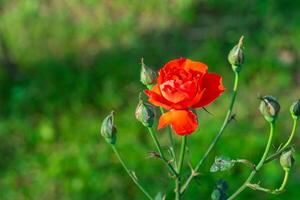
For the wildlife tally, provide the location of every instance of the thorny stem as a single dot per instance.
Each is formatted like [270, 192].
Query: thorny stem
[218, 136]
[285, 146]
[179, 169]
[171, 140]
[259, 165]
[132, 176]
[162, 156]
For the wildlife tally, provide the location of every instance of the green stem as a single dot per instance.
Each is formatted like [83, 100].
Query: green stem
[171, 140]
[285, 180]
[179, 169]
[135, 180]
[218, 136]
[162, 156]
[245, 162]
[291, 136]
[182, 153]
[270, 191]
[259, 165]
[285, 146]
[177, 190]
[277, 154]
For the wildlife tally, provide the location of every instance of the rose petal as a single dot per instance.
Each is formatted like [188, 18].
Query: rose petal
[176, 63]
[183, 122]
[212, 83]
[172, 93]
[179, 63]
[156, 98]
[195, 66]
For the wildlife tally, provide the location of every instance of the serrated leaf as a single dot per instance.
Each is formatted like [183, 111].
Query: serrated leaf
[214, 168]
[219, 193]
[222, 163]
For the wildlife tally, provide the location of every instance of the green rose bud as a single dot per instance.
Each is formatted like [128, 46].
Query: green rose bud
[295, 109]
[147, 76]
[236, 56]
[108, 129]
[270, 108]
[287, 160]
[145, 113]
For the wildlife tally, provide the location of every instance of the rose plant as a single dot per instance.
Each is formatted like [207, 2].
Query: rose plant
[179, 88]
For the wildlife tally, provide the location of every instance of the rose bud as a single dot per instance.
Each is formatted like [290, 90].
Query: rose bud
[145, 113]
[269, 107]
[147, 76]
[295, 109]
[108, 129]
[236, 56]
[287, 160]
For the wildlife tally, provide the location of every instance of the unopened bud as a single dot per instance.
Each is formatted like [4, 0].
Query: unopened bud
[145, 113]
[270, 108]
[295, 109]
[148, 76]
[108, 129]
[287, 160]
[236, 56]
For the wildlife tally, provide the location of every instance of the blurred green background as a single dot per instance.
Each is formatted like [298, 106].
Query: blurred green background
[65, 64]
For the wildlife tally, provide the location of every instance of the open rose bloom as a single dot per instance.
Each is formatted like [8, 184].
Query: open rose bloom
[184, 85]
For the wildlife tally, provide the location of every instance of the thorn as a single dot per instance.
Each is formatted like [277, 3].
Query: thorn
[153, 154]
[170, 161]
[194, 174]
[207, 111]
[172, 176]
[232, 118]
[133, 174]
[279, 148]
[258, 183]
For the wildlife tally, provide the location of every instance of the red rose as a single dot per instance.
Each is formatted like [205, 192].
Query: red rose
[183, 84]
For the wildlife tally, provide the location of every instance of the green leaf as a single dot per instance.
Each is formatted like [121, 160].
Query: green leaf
[222, 163]
[219, 193]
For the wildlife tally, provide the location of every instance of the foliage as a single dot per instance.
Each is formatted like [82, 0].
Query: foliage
[68, 63]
